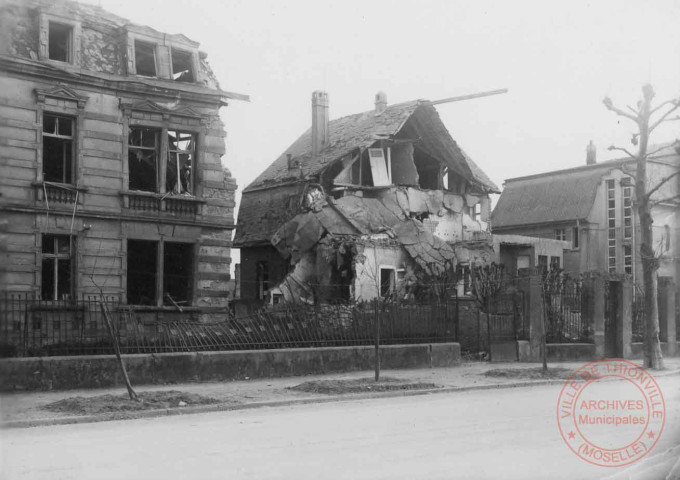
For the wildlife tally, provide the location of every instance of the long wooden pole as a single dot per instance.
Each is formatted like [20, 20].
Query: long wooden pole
[468, 97]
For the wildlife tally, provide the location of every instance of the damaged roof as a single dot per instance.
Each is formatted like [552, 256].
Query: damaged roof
[362, 130]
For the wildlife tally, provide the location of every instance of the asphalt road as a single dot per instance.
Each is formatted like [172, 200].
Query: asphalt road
[508, 434]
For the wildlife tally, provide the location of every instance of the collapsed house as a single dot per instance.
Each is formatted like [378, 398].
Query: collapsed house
[380, 203]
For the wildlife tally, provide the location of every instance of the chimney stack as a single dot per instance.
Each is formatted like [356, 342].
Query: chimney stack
[319, 121]
[380, 102]
[591, 154]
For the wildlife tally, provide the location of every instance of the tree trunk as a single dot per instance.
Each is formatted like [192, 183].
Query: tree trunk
[652, 348]
[116, 349]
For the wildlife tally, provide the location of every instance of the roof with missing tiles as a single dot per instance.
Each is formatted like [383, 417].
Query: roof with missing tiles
[362, 130]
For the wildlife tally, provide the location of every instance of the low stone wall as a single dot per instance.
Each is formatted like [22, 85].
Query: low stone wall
[571, 352]
[61, 373]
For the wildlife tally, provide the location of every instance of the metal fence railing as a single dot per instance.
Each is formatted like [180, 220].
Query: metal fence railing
[32, 327]
[565, 318]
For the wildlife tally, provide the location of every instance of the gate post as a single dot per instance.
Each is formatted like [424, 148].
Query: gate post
[536, 322]
[624, 332]
[667, 314]
[596, 310]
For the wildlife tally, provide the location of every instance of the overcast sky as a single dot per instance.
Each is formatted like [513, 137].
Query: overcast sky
[558, 60]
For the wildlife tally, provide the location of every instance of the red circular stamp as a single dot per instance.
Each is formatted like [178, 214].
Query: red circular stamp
[611, 412]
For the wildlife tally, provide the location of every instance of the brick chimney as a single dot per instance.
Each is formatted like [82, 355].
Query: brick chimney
[380, 102]
[319, 121]
[591, 154]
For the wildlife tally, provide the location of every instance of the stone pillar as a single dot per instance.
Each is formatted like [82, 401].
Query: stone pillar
[667, 314]
[597, 307]
[624, 332]
[536, 325]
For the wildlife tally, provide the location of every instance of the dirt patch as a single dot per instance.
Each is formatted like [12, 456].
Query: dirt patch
[122, 403]
[529, 373]
[360, 385]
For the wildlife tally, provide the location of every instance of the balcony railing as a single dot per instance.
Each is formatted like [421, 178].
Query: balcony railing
[57, 193]
[155, 203]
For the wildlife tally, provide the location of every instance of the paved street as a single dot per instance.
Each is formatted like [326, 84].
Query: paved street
[508, 433]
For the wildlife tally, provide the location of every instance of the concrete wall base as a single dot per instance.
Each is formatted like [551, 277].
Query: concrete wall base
[666, 350]
[101, 371]
[571, 352]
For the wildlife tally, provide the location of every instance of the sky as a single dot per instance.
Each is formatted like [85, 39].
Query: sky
[557, 60]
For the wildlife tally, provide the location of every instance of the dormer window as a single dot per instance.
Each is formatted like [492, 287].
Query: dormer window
[60, 43]
[182, 66]
[59, 38]
[145, 59]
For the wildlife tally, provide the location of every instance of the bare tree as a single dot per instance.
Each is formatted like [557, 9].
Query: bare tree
[647, 118]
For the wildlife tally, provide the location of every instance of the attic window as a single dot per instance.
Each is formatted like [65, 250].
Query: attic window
[182, 66]
[60, 42]
[145, 59]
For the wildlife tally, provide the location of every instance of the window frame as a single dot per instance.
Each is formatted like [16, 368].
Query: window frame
[163, 46]
[74, 44]
[392, 279]
[560, 234]
[163, 154]
[160, 274]
[72, 138]
[56, 257]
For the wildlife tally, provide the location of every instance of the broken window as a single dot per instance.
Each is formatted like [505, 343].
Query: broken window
[143, 149]
[387, 282]
[262, 279]
[57, 266]
[57, 148]
[60, 42]
[145, 59]
[429, 171]
[181, 147]
[141, 272]
[143, 280]
[182, 66]
[177, 270]
[464, 279]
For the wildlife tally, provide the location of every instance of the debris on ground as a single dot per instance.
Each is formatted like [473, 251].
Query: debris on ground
[529, 373]
[360, 385]
[122, 403]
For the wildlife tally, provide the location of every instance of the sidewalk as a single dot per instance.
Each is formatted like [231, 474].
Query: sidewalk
[23, 409]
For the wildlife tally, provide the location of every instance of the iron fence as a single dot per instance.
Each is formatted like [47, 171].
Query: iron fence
[565, 304]
[32, 327]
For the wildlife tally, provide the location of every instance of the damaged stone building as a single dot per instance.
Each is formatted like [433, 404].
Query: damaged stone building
[380, 203]
[112, 180]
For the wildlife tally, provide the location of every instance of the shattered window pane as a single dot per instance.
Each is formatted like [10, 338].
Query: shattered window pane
[57, 148]
[181, 148]
[60, 42]
[387, 282]
[177, 268]
[141, 272]
[145, 59]
[56, 269]
[143, 149]
[182, 69]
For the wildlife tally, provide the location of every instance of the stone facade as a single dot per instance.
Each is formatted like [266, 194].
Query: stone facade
[112, 179]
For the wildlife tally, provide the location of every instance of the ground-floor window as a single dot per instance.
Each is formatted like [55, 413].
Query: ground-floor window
[57, 267]
[154, 279]
[387, 282]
